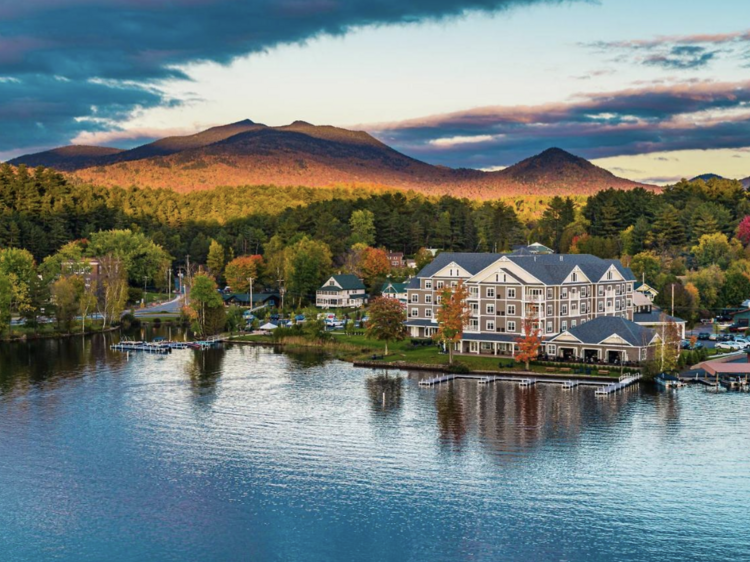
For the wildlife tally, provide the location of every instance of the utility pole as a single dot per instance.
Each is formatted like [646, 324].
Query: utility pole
[145, 280]
[169, 283]
[282, 290]
[672, 299]
[250, 293]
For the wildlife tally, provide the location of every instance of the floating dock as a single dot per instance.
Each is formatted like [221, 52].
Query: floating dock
[526, 381]
[624, 382]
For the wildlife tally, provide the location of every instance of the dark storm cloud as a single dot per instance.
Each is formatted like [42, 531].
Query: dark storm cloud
[682, 57]
[141, 41]
[663, 118]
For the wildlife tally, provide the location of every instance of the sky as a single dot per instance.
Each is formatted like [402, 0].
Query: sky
[653, 91]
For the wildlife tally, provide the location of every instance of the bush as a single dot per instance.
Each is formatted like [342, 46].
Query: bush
[135, 295]
[458, 369]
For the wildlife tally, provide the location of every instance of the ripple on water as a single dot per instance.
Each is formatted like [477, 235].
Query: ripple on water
[248, 454]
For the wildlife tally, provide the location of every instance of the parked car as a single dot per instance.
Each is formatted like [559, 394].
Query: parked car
[725, 337]
[712, 337]
[729, 346]
[743, 342]
[703, 336]
[685, 344]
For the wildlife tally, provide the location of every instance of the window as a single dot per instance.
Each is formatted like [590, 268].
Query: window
[428, 299]
[511, 326]
[438, 299]
[414, 297]
[454, 284]
[574, 306]
[511, 293]
[601, 290]
[549, 310]
[584, 292]
[550, 293]
[617, 304]
[572, 323]
[583, 308]
[564, 310]
[491, 292]
[551, 350]
[473, 324]
[428, 284]
[439, 285]
[490, 325]
[630, 303]
[609, 275]
[331, 283]
[414, 312]
[428, 313]
[564, 325]
[474, 291]
[474, 307]
[574, 277]
[511, 310]
[609, 303]
[630, 287]
[564, 294]
[618, 290]
[490, 309]
[549, 327]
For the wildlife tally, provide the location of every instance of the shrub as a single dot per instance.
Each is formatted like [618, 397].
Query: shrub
[458, 369]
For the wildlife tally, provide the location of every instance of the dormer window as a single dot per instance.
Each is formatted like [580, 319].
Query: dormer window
[332, 283]
[574, 277]
[609, 275]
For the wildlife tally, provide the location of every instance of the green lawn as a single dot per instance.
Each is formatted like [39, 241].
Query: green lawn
[359, 348]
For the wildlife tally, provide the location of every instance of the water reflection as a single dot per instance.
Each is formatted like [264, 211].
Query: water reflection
[204, 370]
[385, 392]
[450, 405]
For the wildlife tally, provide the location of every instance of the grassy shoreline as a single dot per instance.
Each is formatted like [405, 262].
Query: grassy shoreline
[359, 349]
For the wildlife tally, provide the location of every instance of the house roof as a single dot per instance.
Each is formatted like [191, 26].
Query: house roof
[655, 316]
[420, 323]
[394, 287]
[347, 282]
[599, 329]
[551, 269]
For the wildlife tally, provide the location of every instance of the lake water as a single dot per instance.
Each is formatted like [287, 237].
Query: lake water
[248, 454]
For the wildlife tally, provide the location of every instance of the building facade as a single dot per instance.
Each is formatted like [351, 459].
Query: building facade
[341, 291]
[557, 293]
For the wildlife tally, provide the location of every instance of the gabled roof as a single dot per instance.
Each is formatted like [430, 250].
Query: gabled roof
[471, 262]
[346, 281]
[551, 269]
[655, 316]
[599, 329]
[396, 287]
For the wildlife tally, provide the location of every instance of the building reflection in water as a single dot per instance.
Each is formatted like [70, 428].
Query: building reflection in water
[509, 419]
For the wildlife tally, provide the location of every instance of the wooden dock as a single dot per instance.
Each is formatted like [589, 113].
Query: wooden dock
[523, 381]
[624, 382]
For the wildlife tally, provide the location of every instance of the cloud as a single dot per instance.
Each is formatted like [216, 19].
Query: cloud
[659, 118]
[129, 46]
[678, 52]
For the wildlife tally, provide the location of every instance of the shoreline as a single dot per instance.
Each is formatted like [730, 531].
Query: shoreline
[36, 337]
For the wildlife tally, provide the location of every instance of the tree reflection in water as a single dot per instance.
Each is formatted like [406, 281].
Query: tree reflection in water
[385, 393]
[451, 415]
[205, 370]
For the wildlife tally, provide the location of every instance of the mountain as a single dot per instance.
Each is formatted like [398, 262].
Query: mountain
[67, 158]
[746, 183]
[564, 170]
[302, 154]
[706, 177]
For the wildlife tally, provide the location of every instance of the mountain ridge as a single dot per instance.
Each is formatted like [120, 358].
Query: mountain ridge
[249, 153]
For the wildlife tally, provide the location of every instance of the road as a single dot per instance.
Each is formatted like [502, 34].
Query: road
[169, 307]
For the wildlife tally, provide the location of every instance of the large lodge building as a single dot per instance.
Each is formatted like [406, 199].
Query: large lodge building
[582, 304]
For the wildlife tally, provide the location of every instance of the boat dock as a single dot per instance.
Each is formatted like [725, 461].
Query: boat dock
[524, 381]
[164, 347]
[624, 382]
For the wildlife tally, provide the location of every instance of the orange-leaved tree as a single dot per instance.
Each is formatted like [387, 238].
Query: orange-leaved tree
[240, 270]
[374, 264]
[386, 322]
[452, 316]
[529, 343]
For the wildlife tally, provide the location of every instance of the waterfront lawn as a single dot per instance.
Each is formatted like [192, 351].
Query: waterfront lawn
[360, 348]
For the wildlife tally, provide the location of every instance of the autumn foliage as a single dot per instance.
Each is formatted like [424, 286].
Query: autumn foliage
[452, 316]
[529, 343]
[241, 269]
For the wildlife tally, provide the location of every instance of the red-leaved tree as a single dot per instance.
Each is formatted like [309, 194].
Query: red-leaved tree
[529, 343]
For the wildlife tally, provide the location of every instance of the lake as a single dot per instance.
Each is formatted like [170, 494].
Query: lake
[249, 454]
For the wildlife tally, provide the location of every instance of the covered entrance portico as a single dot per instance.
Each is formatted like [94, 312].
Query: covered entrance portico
[488, 344]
